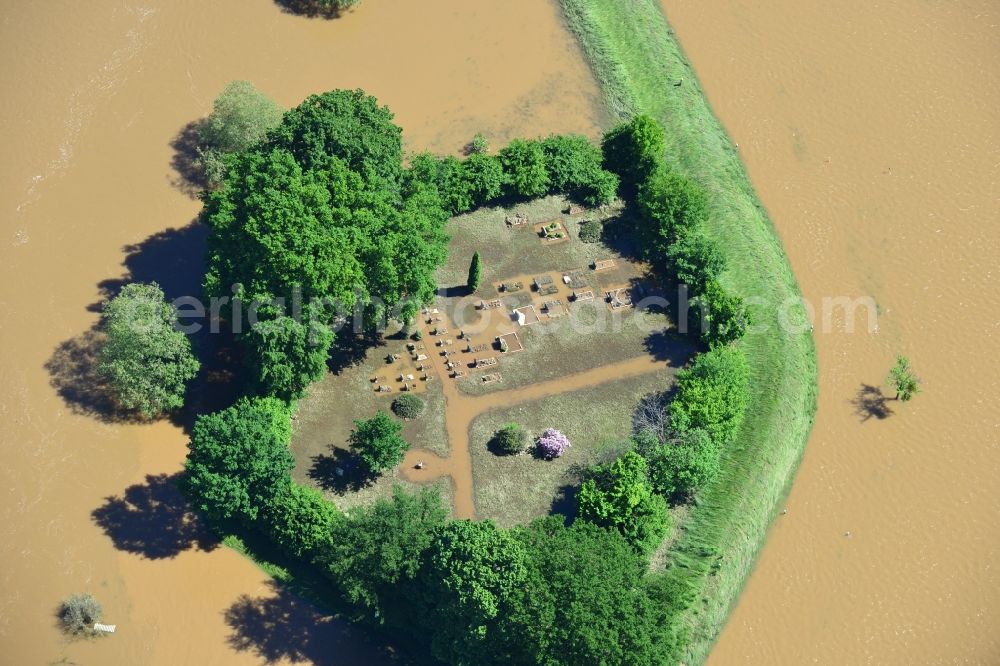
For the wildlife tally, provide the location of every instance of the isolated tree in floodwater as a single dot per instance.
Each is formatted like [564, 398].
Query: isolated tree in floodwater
[475, 272]
[146, 361]
[902, 378]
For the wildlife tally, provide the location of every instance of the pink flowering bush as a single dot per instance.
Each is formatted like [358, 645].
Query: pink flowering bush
[552, 444]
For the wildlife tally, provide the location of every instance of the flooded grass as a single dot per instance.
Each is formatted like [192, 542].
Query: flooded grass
[324, 421]
[641, 68]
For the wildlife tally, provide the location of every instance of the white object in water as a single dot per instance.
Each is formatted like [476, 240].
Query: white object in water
[106, 628]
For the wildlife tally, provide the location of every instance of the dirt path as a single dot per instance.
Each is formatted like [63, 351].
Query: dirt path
[462, 410]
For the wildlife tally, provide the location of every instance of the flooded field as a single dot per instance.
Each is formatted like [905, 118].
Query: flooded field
[94, 95]
[872, 134]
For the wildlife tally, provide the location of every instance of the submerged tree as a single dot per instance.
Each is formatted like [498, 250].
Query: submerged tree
[241, 116]
[146, 360]
[78, 613]
[902, 378]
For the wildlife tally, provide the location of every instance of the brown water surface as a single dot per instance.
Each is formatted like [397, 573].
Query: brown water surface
[871, 132]
[93, 95]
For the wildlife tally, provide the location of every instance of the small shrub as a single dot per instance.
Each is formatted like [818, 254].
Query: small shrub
[407, 406]
[478, 145]
[552, 444]
[418, 335]
[511, 439]
[590, 231]
[79, 613]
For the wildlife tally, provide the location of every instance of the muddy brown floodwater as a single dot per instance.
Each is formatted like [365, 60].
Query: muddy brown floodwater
[93, 95]
[871, 132]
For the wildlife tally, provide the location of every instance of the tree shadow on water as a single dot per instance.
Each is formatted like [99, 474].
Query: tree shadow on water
[153, 520]
[869, 402]
[73, 374]
[175, 260]
[284, 627]
[186, 161]
[310, 8]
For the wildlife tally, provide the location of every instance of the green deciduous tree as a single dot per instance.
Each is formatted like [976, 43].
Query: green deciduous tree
[585, 600]
[713, 394]
[475, 272]
[317, 212]
[484, 174]
[446, 174]
[720, 318]
[238, 458]
[619, 496]
[378, 550]
[476, 569]
[524, 168]
[241, 116]
[299, 520]
[669, 204]
[511, 439]
[681, 463]
[284, 355]
[145, 360]
[574, 168]
[348, 124]
[407, 406]
[694, 260]
[633, 150]
[378, 442]
[903, 380]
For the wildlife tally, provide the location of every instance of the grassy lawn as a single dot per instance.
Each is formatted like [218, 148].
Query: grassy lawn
[515, 489]
[642, 69]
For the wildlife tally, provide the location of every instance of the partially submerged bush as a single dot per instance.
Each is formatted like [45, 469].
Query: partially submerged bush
[78, 614]
[590, 231]
[146, 361]
[479, 144]
[407, 406]
[511, 439]
[241, 116]
[552, 444]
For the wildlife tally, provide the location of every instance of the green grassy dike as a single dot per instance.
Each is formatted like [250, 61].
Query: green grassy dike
[638, 64]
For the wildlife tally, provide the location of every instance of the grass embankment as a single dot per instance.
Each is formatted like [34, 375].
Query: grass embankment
[641, 69]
